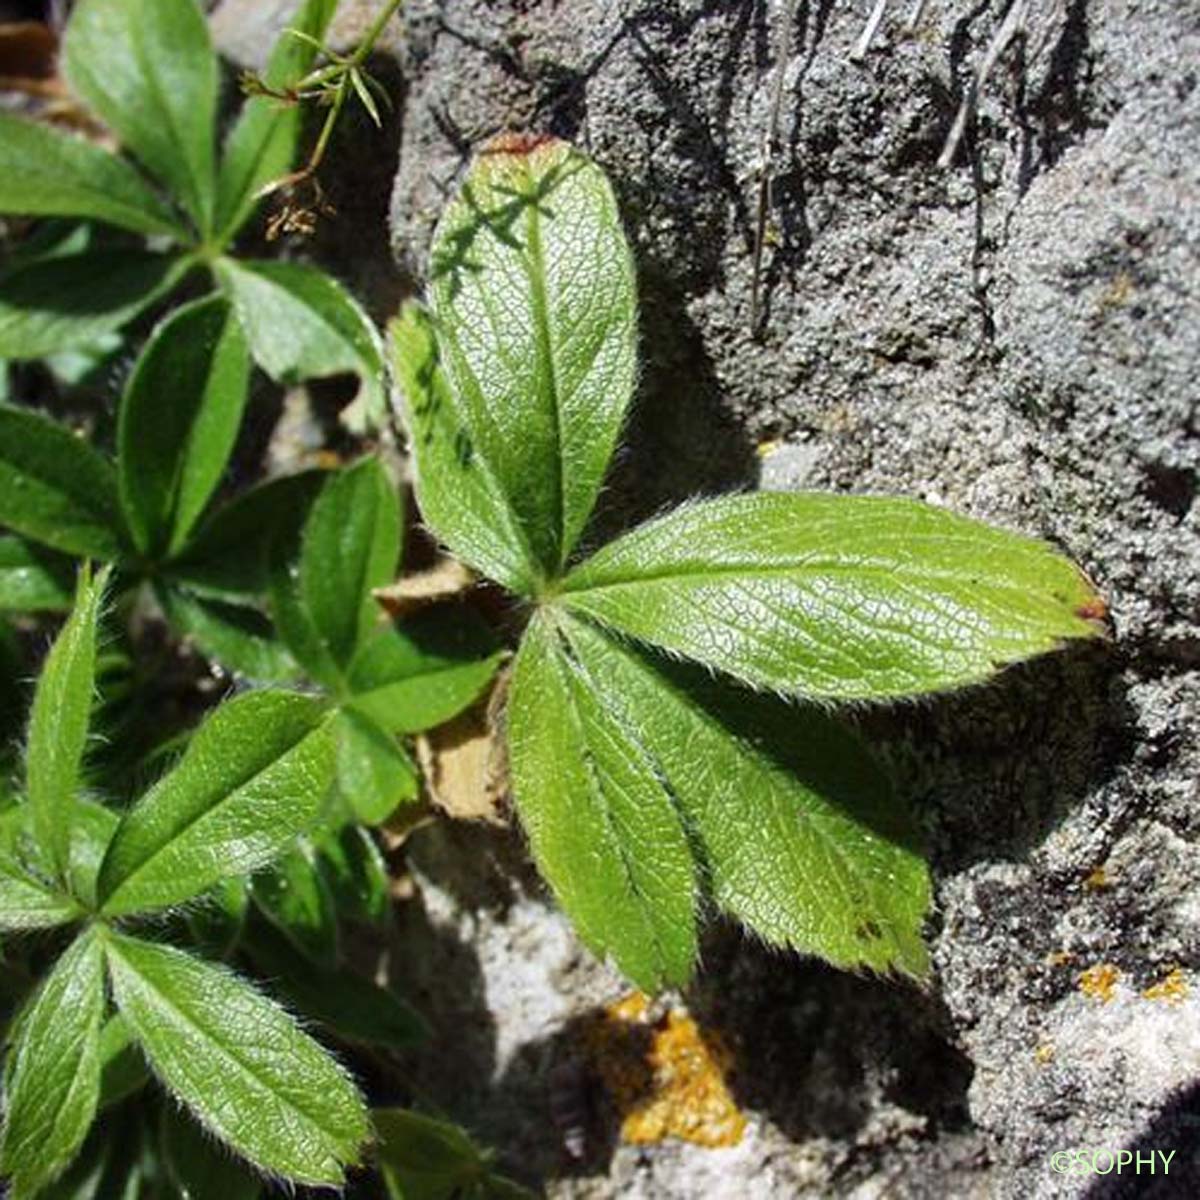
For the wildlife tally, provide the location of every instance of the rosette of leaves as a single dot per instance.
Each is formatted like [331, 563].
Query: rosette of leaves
[670, 730]
[253, 778]
[146, 69]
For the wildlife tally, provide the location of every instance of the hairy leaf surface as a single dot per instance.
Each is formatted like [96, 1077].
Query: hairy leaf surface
[796, 829]
[415, 675]
[239, 1062]
[374, 772]
[238, 636]
[33, 578]
[302, 324]
[846, 597]
[458, 493]
[53, 1081]
[179, 420]
[54, 488]
[58, 723]
[533, 292]
[253, 778]
[293, 895]
[147, 68]
[46, 173]
[603, 829]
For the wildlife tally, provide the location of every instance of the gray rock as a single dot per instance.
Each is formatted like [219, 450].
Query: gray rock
[1016, 337]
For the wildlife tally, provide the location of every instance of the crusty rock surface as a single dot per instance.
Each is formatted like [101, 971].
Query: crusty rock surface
[1017, 337]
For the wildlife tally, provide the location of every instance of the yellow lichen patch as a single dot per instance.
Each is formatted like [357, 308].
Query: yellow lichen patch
[1172, 989]
[766, 448]
[666, 1076]
[1060, 958]
[1099, 982]
[1044, 1054]
[1097, 881]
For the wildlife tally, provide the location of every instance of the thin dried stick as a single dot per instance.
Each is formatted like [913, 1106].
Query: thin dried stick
[868, 34]
[1013, 23]
[766, 158]
[914, 15]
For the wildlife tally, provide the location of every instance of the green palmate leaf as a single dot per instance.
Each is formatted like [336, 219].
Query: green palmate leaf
[58, 723]
[46, 173]
[293, 895]
[356, 873]
[302, 324]
[71, 301]
[419, 674]
[374, 773]
[534, 298]
[92, 829]
[847, 597]
[239, 1063]
[796, 829]
[32, 578]
[227, 557]
[239, 637]
[603, 829]
[253, 778]
[53, 1083]
[457, 493]
[353, 1008]
[54, 488]
[351, 544]
[147, 68]
[422, 1158]
[198, 1167]
[261, 146]
[179, 419]
[122, 1065]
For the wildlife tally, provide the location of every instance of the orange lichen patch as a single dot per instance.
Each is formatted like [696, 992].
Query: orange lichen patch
[1097, 881]
[1099, 982]
[666, 1076]
[1172, 989]
[1044, 1054]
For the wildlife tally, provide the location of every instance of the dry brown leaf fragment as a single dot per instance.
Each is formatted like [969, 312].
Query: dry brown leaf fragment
[446, 580]
[464, 763]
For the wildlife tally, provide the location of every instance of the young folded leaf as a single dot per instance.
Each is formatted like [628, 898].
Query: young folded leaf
[239, 1062]
[147, 68]
[350, 545]
[604, 830]
[58, 723]
[533, 294]
[839, 597]
[253, 778]
[179, 419]
[53, 1080]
